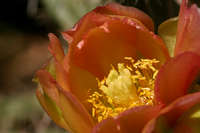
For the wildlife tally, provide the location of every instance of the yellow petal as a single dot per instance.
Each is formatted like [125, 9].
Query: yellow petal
[167, 30]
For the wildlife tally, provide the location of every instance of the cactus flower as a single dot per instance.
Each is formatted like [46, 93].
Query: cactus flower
[117, 76]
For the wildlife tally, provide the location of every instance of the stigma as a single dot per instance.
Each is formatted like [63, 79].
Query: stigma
[128, 85]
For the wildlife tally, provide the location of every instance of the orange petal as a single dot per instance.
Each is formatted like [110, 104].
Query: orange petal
[184, 128]
[107, 126]
[134, 120]
[47, 83]
[52, 109]
[57, 71]
[87, 22]
[111, 42]
[171, 117]
[79, 82]
[61, 76]
[130, 121]
[117, 9]
[189, 122]
[188, 33]
[100, 15]
[74, 113]
[176, 76]
[56, 48]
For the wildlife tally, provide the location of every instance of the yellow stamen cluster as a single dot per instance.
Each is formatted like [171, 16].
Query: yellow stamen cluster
[129, 86]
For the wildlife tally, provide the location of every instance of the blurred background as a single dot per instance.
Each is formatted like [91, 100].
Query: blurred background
[24, 26]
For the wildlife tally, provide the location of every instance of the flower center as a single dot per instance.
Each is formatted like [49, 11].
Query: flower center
[127, 86]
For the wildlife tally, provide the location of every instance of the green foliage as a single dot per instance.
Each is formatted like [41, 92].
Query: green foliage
[67, 12]
[23, 113]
